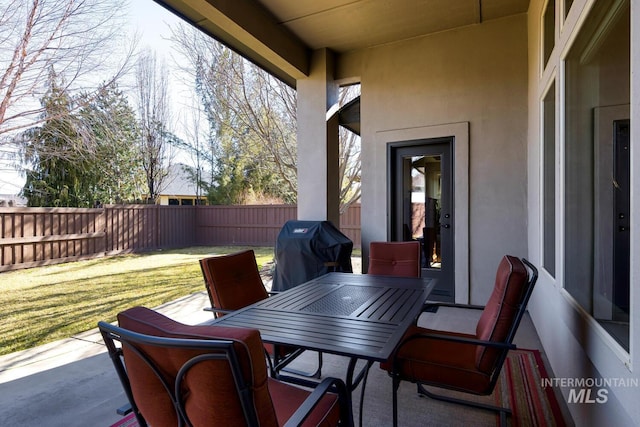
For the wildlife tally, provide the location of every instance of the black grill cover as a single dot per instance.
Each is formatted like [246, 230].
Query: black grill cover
[308, 249]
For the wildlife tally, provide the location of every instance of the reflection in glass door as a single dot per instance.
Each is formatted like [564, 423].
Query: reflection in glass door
[421, 208]
[426, 183]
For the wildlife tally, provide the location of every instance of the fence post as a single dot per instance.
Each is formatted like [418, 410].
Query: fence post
[158, 224]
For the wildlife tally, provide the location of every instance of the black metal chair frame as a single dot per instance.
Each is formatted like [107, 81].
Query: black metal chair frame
[505, 345]
[278, 363]
[216, 350]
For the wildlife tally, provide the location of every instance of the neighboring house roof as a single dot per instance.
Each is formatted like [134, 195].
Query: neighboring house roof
[179, 183]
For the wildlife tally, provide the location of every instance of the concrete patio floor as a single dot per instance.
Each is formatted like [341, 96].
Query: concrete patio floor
[72, 382]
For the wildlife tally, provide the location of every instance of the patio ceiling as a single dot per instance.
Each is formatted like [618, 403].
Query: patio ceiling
[279, 35]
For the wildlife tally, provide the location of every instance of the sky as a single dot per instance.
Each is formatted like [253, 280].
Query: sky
[152, 22]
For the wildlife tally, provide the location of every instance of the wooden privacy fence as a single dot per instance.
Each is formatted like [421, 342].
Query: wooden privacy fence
[31, 237]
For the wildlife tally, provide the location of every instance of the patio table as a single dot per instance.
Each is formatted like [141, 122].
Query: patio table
[361, 316]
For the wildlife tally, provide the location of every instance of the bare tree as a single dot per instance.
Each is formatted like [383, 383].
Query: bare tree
[195, 139]
[259, 110]
[77, 38]
[350, 160]
[155, 122]
[246, 108]
[267, 108]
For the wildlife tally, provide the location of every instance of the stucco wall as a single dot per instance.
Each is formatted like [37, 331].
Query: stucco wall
[476, 74]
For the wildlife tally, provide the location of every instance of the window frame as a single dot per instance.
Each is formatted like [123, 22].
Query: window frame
[552, 85]
[606, 338]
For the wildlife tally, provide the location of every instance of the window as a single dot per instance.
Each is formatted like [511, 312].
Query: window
[596, 167]
[549, 30]
[549, 179]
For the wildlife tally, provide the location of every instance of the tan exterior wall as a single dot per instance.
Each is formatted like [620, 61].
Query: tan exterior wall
[477, 75]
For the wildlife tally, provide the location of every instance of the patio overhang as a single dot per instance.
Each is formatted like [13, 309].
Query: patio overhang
[349, 116]
[280, 35]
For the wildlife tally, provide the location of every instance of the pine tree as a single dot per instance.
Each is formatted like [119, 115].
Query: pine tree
[81, 156]
[112, 130]
[59, 161]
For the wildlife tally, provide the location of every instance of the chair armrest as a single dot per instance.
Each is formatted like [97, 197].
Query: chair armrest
[462, 340]
[428, 305]
[329, 384]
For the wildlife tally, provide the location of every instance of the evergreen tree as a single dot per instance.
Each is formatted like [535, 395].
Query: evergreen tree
[55, 152]
[81, 156]
[241, 166]
[252, 150]
[112, 130]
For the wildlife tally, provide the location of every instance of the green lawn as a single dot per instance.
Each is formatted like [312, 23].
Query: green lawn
[48, 303]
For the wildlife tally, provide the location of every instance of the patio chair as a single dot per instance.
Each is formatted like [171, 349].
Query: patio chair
[233, 282]
[467, 363]
[175, 375]
[395, 258]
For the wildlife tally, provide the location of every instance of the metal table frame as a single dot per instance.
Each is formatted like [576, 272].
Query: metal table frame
[360, 316]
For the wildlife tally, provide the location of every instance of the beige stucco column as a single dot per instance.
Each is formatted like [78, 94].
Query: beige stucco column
[318, 148]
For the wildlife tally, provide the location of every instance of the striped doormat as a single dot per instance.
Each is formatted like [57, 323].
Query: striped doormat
[520, 388]
[128, 421]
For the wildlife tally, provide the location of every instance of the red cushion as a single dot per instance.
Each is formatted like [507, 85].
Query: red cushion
[464, 366]
[233, 280]
[395, 258]
[209, 386]
[438, 362]
[287, 398]
[500, 311]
